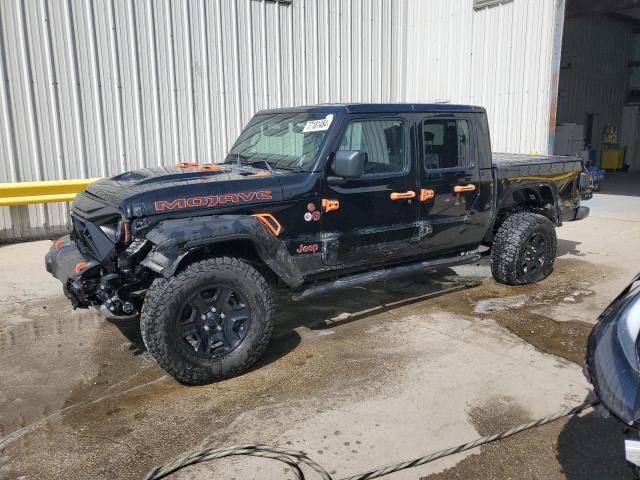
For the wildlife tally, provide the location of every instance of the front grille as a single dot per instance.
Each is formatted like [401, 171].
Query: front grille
[84, 241]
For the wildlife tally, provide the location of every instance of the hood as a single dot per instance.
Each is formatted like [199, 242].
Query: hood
[160, 190]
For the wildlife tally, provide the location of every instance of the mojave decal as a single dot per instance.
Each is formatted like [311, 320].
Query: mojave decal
[211, 200]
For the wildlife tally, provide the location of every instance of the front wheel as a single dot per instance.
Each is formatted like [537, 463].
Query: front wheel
[524, 249]
[211, 321]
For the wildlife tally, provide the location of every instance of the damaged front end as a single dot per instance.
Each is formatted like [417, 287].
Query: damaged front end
[613, 365]
[98, 264]
[68, 264]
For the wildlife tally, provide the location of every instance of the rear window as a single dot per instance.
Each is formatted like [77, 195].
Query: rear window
[446, 143]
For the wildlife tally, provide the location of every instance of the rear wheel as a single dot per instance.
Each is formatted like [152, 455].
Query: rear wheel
[211, 321]
[524, 249]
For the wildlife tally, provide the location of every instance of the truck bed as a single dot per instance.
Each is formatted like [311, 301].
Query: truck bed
[510, 165]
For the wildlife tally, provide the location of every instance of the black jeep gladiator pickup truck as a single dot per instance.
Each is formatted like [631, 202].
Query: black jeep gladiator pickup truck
[314, 199]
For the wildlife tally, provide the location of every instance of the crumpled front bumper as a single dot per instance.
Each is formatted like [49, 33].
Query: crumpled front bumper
[613, 367]
[66, 263]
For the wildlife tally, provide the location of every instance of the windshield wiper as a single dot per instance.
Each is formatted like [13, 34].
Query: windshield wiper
[235, 158]
[240, 158]
[291, 168]
[270, 168]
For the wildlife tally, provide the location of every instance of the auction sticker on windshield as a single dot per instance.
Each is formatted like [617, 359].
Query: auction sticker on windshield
[318, 125]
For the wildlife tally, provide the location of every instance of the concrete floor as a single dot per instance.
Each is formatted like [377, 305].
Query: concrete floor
[359, 379]
[621, 183]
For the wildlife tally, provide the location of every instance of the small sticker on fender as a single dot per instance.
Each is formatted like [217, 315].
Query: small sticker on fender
[318, 125]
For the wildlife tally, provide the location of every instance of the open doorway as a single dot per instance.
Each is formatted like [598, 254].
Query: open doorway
[598, 110]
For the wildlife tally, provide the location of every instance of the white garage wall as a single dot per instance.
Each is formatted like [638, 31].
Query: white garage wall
[93, 88]
[502, 58]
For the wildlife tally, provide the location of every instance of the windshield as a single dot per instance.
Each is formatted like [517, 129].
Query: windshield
[290, 141]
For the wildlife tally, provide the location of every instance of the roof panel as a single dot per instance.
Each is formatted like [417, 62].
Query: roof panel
[380, 108]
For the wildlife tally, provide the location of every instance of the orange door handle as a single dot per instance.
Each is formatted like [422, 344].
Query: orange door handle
[469, 187]
[426, 194]
[403, 195]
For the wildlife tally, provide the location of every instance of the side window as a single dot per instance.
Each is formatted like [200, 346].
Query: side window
[446, 143]
[382, 141]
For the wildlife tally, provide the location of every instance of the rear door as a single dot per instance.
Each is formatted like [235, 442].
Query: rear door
[449, 181]
[372, 217]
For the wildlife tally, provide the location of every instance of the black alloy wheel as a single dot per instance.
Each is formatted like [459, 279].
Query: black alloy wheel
[213, 322]
[534, 255]
[523, 249]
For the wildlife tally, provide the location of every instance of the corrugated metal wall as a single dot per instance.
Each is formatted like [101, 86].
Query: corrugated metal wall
[92, 88]
[595, 76]
[500, 57]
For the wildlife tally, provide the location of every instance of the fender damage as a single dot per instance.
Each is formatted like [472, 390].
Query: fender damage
[176, 239]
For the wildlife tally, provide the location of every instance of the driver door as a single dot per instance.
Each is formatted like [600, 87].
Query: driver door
[372, 217]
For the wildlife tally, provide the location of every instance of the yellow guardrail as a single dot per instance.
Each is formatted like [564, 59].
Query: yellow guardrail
[27, 193]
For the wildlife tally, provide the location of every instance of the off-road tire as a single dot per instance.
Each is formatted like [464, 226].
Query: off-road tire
[165, 299]
[509, 246]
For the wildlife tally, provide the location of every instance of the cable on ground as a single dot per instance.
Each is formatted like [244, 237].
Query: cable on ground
[295, 459]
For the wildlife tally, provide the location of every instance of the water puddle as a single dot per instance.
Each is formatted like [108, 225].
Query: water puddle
[56, 357]
[494, 304]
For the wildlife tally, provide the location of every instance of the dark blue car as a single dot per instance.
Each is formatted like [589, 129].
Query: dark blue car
[613, 365]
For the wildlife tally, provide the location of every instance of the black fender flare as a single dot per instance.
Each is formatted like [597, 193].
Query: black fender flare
[174, 239]
[508, 199]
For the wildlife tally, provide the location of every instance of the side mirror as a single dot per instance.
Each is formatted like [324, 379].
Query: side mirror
[349, 163]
